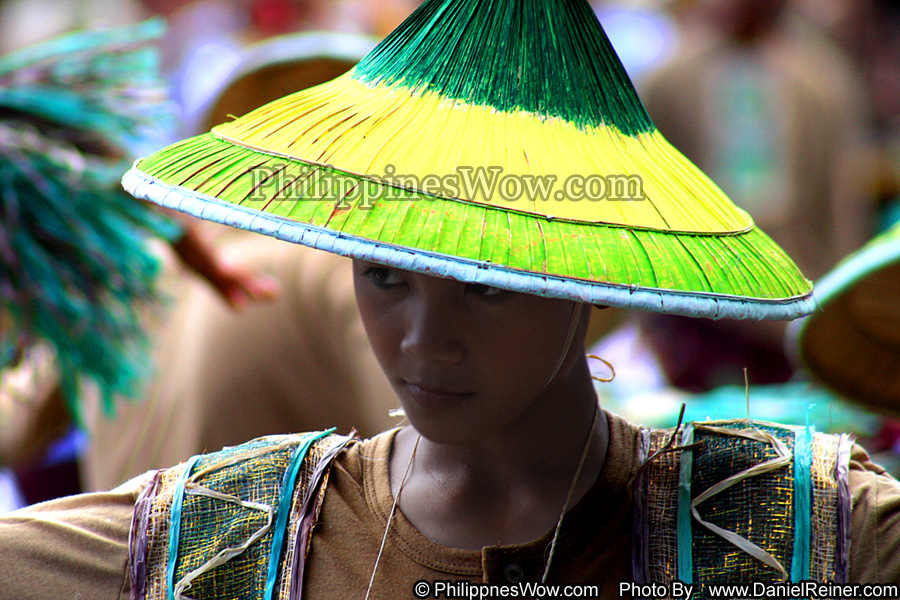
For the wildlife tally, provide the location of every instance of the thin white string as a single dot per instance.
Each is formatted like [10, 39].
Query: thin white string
[571, 493]
[390, 520]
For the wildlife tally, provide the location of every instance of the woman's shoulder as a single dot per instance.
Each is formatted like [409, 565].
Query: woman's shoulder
[356, 454]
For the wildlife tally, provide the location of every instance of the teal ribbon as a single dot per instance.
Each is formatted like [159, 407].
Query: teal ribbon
[683, 527]
[803, 439]
[284, 508]
[175, 525]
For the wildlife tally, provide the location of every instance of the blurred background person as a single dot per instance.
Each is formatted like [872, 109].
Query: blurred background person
[78, 275]
[869, 30]
[204, 43]
[777, 114]
[75, 267]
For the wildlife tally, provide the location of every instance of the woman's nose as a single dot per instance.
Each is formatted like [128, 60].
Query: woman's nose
[430, 332]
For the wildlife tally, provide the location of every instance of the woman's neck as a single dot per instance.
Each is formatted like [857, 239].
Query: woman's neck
[510, 487]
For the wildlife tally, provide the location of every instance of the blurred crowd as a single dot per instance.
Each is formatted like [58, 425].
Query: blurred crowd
[791, 106]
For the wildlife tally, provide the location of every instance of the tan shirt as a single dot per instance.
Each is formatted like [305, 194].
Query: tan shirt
[78, 547]
[594, 544]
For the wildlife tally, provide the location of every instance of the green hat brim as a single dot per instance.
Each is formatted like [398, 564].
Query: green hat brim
[711, 276]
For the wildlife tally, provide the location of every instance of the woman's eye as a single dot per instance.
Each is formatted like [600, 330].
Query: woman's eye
[484, 290]
[384, 277]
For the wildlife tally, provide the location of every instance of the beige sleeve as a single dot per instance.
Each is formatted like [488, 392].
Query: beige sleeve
[875, 533]
[75, 547]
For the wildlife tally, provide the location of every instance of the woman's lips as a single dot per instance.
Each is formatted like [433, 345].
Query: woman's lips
[432, 397]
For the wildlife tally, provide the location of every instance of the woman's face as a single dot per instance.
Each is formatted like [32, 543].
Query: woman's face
[467, 361]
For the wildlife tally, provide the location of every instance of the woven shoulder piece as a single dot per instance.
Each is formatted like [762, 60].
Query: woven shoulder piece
[741, 502]
[232, 524]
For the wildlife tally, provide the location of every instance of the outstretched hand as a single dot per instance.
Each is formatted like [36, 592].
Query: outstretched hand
[238, 286]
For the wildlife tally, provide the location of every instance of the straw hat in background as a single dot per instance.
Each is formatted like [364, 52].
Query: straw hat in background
[852, 342]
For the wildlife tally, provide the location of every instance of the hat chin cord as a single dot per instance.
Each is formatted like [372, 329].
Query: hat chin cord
[570, 335]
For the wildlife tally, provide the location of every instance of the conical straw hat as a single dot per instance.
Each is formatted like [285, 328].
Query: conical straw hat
[276, 67]
[499, 143]
[852, 343]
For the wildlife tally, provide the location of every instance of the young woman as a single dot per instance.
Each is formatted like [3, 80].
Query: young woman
[509, 473]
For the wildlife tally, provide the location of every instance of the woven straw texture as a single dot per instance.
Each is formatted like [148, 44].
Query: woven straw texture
[759, 509]
[413, 161]
[253, 472]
